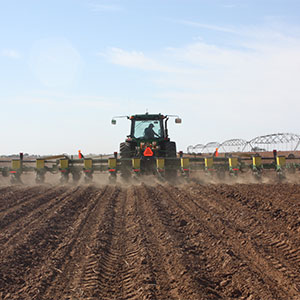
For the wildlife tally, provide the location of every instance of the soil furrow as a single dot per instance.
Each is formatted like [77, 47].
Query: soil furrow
[276, 243]
[100, 277]
[186, 257]
[225, 222]
[204, 226]
[19, 227]
[15, 196]
[151, 278]
[21, 260]
[158, 241]
[13, 214]
[68, 257]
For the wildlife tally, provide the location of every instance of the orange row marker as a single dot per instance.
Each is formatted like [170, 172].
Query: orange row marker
[216, 154]
[80, 155]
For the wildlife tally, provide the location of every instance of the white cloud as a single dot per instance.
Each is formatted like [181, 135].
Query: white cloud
[245, 90]
[11, 53]
[265, 63]
[134, 59]
[207, 26]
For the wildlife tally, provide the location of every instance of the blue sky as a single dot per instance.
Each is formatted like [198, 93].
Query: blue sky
[229, 68]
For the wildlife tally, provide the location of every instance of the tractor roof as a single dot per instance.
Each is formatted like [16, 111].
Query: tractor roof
[147, 117]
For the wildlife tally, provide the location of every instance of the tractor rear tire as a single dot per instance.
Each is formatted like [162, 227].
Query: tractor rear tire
[171, 169]
[170, 149]
[125, 152]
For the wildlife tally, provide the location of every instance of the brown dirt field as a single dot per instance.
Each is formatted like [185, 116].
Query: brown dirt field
[192, 241]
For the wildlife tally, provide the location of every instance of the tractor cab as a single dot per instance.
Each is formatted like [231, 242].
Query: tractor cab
[148, 127]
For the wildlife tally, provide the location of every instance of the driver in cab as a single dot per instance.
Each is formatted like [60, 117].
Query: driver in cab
[150, 133]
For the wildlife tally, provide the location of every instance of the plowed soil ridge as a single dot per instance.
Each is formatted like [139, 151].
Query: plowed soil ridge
[160, 241]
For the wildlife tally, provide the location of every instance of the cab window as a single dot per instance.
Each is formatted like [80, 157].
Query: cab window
[141, 129]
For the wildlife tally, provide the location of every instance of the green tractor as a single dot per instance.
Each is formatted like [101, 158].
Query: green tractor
[148, 140]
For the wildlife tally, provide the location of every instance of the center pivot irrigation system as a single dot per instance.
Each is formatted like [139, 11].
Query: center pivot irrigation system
[148, 150]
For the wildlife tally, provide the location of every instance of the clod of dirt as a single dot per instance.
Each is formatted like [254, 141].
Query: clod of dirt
[229, 252]
[236, 293]
[150, 281]
[183, 223]
[224, 282]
